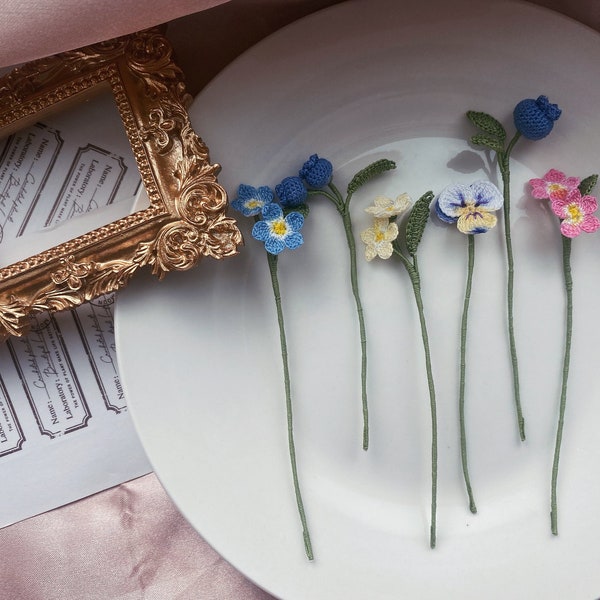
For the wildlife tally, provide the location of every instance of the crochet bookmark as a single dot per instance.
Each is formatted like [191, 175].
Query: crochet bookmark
[278, 229]
[317, 173]
[534, 120]
[472, 209]
[381, 240]
[571, 203]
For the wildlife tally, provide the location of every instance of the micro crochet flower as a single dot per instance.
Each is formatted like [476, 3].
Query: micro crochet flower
[384, 207]
[250, 200]
[576, 211]
[317, 172]
[291, 192]
[534, 119]
[554, 184]
[470, 207]
[278, 232]
[378, 239]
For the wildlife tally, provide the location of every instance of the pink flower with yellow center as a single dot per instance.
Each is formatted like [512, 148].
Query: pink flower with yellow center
[553, 185]
[575, 212]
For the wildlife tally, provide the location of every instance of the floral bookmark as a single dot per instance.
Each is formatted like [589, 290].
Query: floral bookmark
[278, 228]
[571, 203]
[534, 120]
[317, 174]
[381, 240]
[472, 209]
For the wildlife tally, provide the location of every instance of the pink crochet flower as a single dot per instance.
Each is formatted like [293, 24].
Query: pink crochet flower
[576, 211]
[554, 185]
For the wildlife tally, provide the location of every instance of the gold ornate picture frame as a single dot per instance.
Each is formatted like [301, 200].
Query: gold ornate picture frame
[186, 217]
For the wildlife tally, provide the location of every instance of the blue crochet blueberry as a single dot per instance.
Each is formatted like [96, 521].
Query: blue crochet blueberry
[291, 192]
[317, 172]
[535, 118]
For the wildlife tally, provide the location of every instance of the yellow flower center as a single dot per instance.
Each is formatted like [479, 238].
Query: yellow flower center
[279, 227]
[471, 210]
[253, 203]
[379, 235]
[575, 213]
[475, 218]
[557, 190]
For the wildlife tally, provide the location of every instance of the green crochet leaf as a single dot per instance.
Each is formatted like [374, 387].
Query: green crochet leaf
[487, 124]
[588, 184]
[417, 222]
[370, 171]
[482, 139]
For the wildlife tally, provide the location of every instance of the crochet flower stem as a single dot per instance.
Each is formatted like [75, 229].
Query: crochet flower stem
[272, 261]
[463, 364]
[412, 269]
[571, 202]
[343, 208]
[533, 119]
[471, 208]
[317, 173]
[504, 164]
[566, 245]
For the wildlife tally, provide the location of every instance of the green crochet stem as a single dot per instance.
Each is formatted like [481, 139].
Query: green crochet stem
[413, 271]
[504, 163]
[463, 365]
[343, 208]
[272, 260]
[566, 243]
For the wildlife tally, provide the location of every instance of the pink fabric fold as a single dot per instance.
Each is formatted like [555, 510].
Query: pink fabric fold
[32, 29]
[127, 543]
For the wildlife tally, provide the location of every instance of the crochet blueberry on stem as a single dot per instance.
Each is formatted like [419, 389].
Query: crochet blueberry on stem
[317, 173]
[534, 120]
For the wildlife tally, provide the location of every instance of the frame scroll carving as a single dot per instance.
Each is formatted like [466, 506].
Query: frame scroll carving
[186, 218]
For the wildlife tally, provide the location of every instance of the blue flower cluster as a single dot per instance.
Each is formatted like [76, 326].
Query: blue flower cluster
[279, 225]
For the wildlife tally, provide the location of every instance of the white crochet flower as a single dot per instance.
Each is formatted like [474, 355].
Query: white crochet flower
[378, 239]
[384, 207]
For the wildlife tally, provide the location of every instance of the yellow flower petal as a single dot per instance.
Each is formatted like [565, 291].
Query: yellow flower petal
[476, 221]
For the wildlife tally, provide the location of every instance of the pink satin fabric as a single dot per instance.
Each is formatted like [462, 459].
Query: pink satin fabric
[31, 29]
[127, 543]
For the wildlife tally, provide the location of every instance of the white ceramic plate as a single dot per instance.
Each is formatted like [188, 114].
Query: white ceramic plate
[200, 357]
